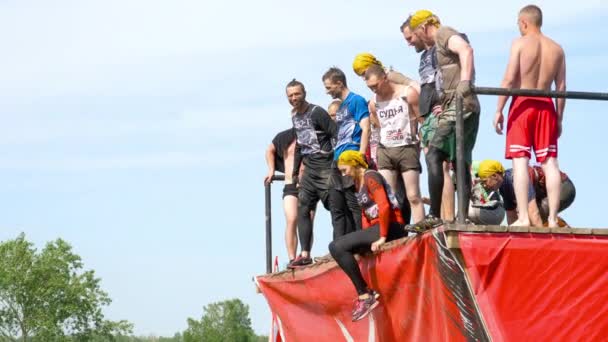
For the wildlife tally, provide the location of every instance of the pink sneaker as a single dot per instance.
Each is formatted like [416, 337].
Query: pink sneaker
[364, 306]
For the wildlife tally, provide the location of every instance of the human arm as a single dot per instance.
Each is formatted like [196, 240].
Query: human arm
[412, 98]
[373, 116]
[365, 134]
[324, 122]
[270, 156]
[463, 49]
[361, 115]
[507, 82]
[377, 193]
[560, 85]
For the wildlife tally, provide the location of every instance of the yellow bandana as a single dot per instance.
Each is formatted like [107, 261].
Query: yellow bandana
[489, 167]
[363, 61]
[352, 158]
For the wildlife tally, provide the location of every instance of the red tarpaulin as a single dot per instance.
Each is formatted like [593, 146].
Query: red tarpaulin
[539, 287]
[424, 297]
[503, 287]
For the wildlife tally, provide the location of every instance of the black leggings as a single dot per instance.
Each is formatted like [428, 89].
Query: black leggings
[434, 163]
[400, 193]
[312, 189]
[343, 250]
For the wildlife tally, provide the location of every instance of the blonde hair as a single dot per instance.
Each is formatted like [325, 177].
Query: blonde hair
[335, 103]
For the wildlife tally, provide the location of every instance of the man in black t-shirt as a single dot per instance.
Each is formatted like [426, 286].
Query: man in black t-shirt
[314, 132]
[280, 157]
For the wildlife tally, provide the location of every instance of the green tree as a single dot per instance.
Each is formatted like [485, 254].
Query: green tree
[47, 296]
[223, 321]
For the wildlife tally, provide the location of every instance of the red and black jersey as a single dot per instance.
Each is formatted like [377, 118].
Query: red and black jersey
[378, 203]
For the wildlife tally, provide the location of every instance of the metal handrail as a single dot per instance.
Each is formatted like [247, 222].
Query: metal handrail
[269, 222]
[460, 163]
[579, 95]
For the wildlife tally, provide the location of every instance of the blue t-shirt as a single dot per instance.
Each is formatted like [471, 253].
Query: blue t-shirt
[508, 191]
[352, 110]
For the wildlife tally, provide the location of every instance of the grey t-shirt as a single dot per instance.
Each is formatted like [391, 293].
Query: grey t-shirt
[428, 66]
[428, 90]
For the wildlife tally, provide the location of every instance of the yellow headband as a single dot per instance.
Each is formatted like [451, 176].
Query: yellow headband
[421, 17]
[363, 61]
[352, 158]
[489, 167]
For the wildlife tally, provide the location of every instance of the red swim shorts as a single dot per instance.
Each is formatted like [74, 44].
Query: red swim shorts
[532, 123]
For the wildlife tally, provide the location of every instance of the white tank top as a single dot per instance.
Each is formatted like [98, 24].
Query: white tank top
[396, 128]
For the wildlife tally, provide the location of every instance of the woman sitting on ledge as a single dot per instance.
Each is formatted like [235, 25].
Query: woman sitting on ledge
[381, 222]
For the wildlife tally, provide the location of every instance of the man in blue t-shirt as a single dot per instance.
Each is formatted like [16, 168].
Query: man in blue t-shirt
[353, 124]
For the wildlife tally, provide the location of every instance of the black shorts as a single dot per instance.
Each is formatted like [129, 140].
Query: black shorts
[290, 190]
[567, 195]
[314, 187]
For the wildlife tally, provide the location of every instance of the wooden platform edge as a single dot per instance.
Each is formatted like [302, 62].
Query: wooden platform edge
[451, 230]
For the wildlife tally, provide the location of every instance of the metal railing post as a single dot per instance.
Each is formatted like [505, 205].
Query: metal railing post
[268, 230]
[460, 164]
[267, 188]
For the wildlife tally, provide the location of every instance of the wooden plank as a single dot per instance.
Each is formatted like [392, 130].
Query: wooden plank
[602, 232]
[517, 229]
[452, 240]
[582, 231]
[561, 230]
[497, 229]
[540, 230]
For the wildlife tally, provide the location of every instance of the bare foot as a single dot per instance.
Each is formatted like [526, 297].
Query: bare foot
[552, 223]
[521, 223]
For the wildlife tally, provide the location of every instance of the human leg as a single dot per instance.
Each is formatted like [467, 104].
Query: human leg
[447, 196]
[466, 188]
[553, 181]
[411, 179]
[337, 209]
[307, 201]
[407, 159]
[404, 204]
[354, 210]
[391, 178]
[521, 184]
[343, 250]
[290, 207]
[434, 161]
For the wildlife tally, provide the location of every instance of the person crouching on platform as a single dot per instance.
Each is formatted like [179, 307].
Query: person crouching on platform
[382, 222]
[486, 206]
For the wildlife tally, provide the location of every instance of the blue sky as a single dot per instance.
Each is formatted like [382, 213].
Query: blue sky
[136, 130]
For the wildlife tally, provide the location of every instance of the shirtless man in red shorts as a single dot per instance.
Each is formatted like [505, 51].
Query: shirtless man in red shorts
[534, 123]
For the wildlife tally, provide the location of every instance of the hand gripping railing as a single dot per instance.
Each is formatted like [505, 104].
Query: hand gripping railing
[460, 163]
